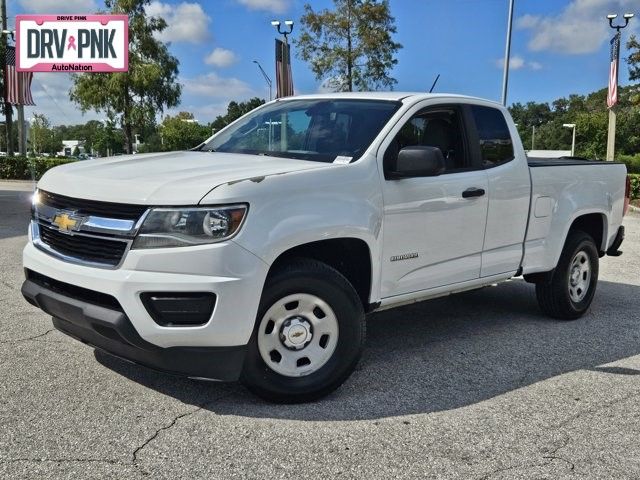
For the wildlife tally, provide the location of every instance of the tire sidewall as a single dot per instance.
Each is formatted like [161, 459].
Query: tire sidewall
[264, 381]
[583, 243]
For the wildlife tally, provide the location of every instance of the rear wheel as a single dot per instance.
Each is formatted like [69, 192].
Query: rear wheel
[568, 294]
[309, 334]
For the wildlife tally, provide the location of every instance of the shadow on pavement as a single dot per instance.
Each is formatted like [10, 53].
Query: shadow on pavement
[443, 354]
[15, 206]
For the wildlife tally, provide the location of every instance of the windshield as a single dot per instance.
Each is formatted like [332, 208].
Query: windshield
[318, 130]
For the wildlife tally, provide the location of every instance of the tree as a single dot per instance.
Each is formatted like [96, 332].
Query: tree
[108, 140]
[234, 111]
[351, 46]
[42, 137]
[149, 86]
[39, 132]
[182, 132]
[633, 60]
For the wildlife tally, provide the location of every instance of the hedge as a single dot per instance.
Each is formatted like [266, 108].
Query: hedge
[22, 168]
[635, 186]
[631, 161]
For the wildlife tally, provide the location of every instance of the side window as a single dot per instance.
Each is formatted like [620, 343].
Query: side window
[496, 145]
[435, 127]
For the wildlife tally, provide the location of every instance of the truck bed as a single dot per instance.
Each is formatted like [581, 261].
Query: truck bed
[565, 162]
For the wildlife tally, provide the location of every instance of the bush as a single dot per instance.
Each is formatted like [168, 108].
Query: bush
[22, 168]
[631, 161]
[635, 186]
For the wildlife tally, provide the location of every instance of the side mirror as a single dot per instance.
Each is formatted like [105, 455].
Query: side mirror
[418, 161]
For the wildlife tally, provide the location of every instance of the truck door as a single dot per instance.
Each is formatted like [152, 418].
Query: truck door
[433, 227]
[509, 186]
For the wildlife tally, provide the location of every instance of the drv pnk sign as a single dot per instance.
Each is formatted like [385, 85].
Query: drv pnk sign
[72, 43]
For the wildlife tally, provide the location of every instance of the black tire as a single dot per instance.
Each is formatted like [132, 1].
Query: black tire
[311, 277]
[554, 295]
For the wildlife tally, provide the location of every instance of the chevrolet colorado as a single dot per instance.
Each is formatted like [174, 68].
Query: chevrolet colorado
[257, 255]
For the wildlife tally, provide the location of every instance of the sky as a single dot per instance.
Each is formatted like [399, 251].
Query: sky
[559, 47]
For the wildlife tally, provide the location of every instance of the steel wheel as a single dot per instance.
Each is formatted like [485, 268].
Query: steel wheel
[579, 276]
[297, 335]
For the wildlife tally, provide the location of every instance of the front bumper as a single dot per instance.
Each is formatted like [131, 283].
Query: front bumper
[233, 274]
[105, 326]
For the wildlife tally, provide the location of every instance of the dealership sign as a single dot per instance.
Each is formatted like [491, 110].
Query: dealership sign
[72, 43]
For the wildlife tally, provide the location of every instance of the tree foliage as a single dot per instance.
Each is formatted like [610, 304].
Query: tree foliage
[350, 47]
[589, 113]
[633, 60]
[182, 132]
[234, 111]
[43, 138]
[137, 96]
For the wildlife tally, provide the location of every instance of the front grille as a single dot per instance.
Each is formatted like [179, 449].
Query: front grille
[92, 207]
[83, 247]
[73, 291]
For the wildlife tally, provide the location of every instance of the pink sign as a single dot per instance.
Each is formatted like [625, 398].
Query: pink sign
[72, 43]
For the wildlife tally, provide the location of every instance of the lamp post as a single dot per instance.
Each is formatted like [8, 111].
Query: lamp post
[285, 52]
[266, 77]
[507, 55]
[611, 136]
[283, 80]
[573, 141]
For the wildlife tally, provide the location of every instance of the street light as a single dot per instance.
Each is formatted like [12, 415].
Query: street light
[288, 23]
[573, 142]
[613, 16]
[507, 55]
[266, 77]
[611, 134]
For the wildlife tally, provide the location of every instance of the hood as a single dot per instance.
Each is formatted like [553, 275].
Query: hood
[171, 178]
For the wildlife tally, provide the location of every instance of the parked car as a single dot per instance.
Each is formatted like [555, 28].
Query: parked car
[257, 255]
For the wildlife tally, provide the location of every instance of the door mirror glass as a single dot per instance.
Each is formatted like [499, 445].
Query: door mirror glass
[418, 161]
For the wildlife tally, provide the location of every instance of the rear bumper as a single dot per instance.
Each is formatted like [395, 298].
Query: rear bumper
[107, 327]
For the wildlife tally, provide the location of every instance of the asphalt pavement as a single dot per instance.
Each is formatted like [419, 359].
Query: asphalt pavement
[478, 385]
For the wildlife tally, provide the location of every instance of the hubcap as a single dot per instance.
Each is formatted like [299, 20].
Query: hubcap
[298, 335]
[579, 277]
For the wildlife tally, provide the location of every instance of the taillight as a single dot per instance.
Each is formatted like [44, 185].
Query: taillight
[627, 195]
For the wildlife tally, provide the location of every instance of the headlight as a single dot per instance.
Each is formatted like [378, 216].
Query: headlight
[183, 227]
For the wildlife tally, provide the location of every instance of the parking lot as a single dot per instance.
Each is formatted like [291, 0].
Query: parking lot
[474, 386]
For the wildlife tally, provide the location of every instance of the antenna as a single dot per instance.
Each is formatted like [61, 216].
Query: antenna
[434, 83]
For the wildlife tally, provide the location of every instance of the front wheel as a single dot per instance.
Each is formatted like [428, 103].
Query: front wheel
[569, 292]
[309, 334]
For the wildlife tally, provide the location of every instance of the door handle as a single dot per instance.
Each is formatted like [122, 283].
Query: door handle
[473, 192]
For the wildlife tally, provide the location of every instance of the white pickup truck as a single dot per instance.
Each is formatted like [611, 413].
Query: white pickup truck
[257, 255]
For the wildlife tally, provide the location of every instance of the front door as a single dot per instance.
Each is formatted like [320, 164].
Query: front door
[433, 226]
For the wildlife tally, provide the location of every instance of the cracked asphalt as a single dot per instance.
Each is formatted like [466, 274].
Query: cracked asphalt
[475, 386]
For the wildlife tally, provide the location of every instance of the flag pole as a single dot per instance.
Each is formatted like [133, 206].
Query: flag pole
[22, 134]
[8, 111]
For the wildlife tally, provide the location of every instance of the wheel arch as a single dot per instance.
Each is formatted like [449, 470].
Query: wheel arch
[595, 224]
[350, 256]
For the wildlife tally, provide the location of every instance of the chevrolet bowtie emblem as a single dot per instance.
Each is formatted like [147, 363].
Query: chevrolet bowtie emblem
[64, 222]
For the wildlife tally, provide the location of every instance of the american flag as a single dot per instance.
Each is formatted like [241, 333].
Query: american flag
[17, 85]
[612, 96]
[284, 82]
